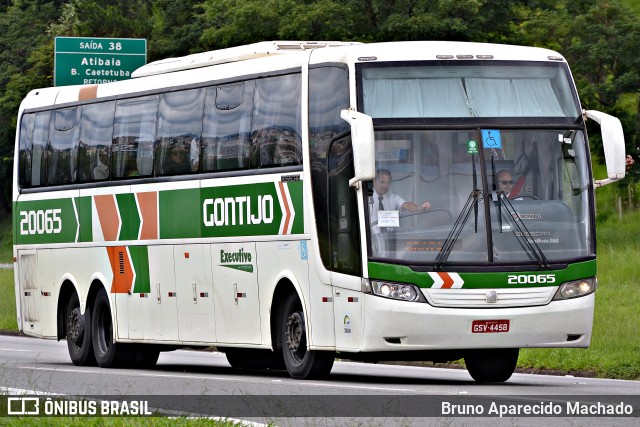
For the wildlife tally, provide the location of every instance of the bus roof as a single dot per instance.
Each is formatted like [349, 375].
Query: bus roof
[434, 50]
[232, 54]
[274, 55]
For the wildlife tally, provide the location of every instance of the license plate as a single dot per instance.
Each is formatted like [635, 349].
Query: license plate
[489, 326]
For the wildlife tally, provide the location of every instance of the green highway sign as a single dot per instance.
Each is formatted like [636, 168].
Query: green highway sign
[95, 60]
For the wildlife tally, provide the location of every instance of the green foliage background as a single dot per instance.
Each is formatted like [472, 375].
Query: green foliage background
[599, 38]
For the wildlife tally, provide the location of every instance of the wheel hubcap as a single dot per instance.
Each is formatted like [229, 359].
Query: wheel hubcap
[75, 326]
[295, 334]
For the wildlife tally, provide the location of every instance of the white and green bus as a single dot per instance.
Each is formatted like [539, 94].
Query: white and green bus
[227, 199]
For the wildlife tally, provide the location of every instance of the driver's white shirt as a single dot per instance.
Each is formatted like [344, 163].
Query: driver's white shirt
[390, 201]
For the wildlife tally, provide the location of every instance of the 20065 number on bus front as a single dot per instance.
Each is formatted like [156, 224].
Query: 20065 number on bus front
[523, 279]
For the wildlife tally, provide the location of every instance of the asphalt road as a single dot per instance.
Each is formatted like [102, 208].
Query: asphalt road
[196, 382]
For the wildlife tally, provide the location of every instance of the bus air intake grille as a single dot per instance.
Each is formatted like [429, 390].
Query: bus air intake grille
[489, 298]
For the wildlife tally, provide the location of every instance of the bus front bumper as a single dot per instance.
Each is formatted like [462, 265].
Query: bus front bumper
[390, 325]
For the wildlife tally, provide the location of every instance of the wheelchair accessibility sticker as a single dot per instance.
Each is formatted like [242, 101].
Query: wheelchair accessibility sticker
[491, 138]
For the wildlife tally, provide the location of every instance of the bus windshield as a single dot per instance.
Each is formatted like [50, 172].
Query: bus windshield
[443, 89]
[463, 189]
[534, 188]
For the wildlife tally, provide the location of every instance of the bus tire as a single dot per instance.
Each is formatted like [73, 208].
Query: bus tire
[108, 353]
[78, 327]
[300, 362]
[251, 358]
[494, 365]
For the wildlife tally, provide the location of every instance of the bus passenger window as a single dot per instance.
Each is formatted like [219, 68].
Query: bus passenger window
[226, 127]
[26, 147]
[133, 137]
[179, 131]
[63, 148]
[275, 135]
[38, 154]
[96, 130]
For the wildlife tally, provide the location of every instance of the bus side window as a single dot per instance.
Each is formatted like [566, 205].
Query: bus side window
[96, 130]
[275, 133]
[133, 137]
[179, 131]
[328, 95]
[38, 152]
[26, 147]
[63, 148]
[343, 210]
[226, 127]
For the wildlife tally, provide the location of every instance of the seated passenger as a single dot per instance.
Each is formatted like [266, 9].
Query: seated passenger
[505, 185]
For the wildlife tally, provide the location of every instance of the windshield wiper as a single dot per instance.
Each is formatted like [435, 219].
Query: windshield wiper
[461, 221]
[458, 226]
[523, 235]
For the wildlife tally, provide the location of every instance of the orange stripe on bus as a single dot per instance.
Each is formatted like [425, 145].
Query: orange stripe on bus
[148, 203]
[121, 268]
[108, 216]
[88, 92]
[448, 281]
[286, 207]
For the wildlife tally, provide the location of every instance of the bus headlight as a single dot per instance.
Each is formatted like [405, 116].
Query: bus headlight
[397, 291]
[577, 288]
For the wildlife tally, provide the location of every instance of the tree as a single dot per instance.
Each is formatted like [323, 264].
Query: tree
[600, 41]
[175, 28]
[26, 62]
[232, 23]
[112, 18]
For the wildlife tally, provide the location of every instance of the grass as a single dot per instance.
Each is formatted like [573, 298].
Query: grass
[7, 301]
[615, 344]
[6, 241]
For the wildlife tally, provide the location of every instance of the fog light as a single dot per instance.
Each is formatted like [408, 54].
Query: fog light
[397, 291]
[578, 288]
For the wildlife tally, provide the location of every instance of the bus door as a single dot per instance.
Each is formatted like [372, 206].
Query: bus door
[236, 293]
[29, 291]
[160, 310]
[195, 297]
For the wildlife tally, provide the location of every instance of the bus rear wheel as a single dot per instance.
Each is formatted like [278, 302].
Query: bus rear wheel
[300, 362]
[492, 366]
[108, 353]
[78, 327]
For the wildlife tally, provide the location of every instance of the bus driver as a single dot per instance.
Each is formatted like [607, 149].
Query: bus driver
[383, 199]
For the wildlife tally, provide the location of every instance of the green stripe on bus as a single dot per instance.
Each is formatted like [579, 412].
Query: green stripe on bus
[179, 212]
[404, 274]
[259, 209]
[129, 216]
[45, 221]
[295, 189]
[140, 260]
[83, 205]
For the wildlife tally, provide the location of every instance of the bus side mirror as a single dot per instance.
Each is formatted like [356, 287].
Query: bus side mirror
[613, 144]
[362, 141]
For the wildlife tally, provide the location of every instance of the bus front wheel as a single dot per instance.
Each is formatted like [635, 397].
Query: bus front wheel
[494, 365]
[300, 362]
[78, 327]
[108, 353]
